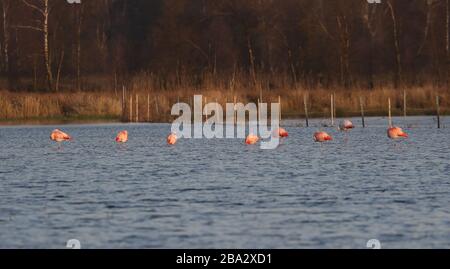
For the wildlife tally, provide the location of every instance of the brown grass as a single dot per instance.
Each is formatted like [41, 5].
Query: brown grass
[17, 106]
[163, 94]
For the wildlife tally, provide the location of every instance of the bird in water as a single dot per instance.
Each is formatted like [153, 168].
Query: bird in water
[172, 139]
[322, 137]
[282, 133]
[396, 133]
[59, 136]
[251, 139]
[346, 125]
[122, 137]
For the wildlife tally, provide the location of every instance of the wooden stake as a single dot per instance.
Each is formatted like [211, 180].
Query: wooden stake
[404, 103]
[148, 107]
[438, 112]
[234, 110]
[258, 110]
[130, 119]
[137, 107]
[332, 110]
[334, 105]
[362, 112]
[156, 105]
[279, 102]
[215, 112]
[123, 103]
[390, 112]
[306, 110]
[260, 94]
[206, 109]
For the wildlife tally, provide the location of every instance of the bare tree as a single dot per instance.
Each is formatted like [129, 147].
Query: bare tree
[369, 17]
[447, 41]
[44, 10]
[398, 56]
[342, 39]
[79, 22]
[5, 17]
[429, 20]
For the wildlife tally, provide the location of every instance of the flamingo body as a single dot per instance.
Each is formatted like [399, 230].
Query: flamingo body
[59, 136]
[172, 139]
[251, 139]
[283, 133]
[322, 137]
[122, 137]
[396, 132]
[346, 125]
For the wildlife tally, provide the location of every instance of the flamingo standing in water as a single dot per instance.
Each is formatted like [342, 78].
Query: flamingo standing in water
[346, 125]
[172, 139]
[282, 133]
[122, 137]
[59, 136]
[251, 139]
[322, 137]
[396, 132]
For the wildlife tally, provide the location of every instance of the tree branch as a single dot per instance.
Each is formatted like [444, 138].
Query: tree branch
[28, 27]
[34, 7]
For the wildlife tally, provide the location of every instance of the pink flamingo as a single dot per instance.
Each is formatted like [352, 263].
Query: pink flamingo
[322, 137]
[396, 132]
[346, 125]
[122, 137]
[172, 139]
[251, 139]
[283, 133]
[59, 136]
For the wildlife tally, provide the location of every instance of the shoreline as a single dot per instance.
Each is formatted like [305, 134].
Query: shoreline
[42, 121]
[92, 120]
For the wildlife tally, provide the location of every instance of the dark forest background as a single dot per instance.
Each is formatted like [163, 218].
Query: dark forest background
[100, 44]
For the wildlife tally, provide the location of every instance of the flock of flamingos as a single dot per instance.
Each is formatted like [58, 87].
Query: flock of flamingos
[320, 137]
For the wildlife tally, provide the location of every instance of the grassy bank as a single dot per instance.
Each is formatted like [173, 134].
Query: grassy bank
[155, 106]
[60, 120]
[17, 108]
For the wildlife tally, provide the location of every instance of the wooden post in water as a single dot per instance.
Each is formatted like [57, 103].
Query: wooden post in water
[206, 109]
[216, 114]
[334, 105]
[148, 107]
[137, 107]
[257, 109]
[123, 103]
[260, 94]
[234, 110]
[362, 112]
[404, 104]
[279, 102]
[438, 112]
[390, 112]
[332, 110]
[156, 105]
[306, 110]
[130, 118]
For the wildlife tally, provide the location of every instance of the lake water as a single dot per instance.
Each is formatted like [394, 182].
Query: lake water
[223, 194]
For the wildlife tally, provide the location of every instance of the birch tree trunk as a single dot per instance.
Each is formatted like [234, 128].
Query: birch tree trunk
[44, 11]
[368, 16]
[5, 7]
[398, 58]
[448, 45]
[48, 64]
[79, 12]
